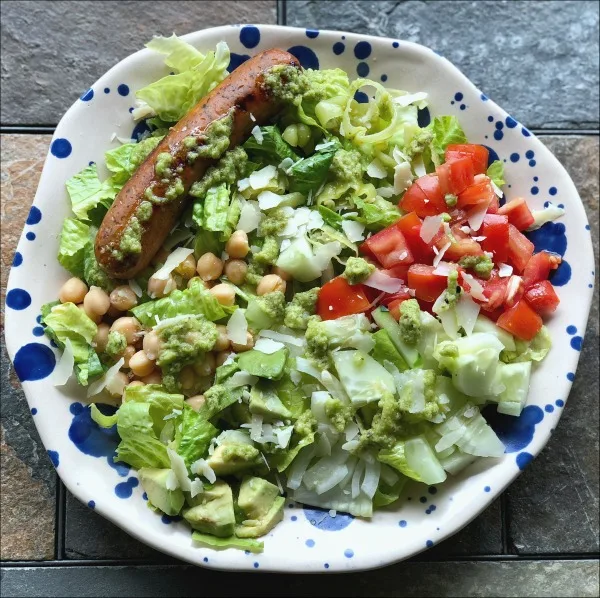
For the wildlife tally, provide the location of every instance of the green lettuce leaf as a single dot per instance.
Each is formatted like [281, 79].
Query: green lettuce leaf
[194, 300]
[376, 214]
[92, 272]
[446, 130]
[74, 237]
[330, 217]
[310, 173]
[193, 435]
[181, 56]
[87, 370]
[87, 192]
[496, 173]
[273, 147]
[162, 403]
[534, 350]
[123, 161]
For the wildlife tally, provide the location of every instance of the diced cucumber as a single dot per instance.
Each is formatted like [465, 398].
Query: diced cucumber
[384, 320]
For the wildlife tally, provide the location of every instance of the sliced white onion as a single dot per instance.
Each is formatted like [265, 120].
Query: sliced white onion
[268, 200]
[376, 170]
[382, 282]
[237, 327]
[385, 192]
[299, 466]
[430, 227]
[355, 231]
[476, 216]
[174, 259]
[64, 368]
[201, 467]
[268, 346]
[135, 287]
[402, 177]
[411, 98]
[371, 480]
[440, 254]
[107, 381]
[257, 134]
[356, 478]
[504, 270]
[466, 313]
[250, 217]
[476, 290]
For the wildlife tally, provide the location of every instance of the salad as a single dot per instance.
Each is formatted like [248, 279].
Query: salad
[341, 294]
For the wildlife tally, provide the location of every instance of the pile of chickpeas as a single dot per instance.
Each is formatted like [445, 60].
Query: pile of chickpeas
[108, 311]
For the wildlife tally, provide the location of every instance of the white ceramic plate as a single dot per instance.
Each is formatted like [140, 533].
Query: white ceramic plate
[308, 540]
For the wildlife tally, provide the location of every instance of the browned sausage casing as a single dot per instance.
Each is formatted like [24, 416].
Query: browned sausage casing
[242, 93]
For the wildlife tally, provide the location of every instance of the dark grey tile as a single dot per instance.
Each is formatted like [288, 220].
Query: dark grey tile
[538, 60]
[54, 51]
[90, 536]
[501, 578]
[553, 506]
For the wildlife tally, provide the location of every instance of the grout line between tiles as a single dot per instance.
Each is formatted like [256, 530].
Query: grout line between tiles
[281, 12]
[60, 520]
[504, 518]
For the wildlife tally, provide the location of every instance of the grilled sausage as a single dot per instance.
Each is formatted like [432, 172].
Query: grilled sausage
[240, 95]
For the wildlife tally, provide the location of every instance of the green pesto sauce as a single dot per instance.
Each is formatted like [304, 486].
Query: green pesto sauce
[357, 270]
[228, 169]
[482, 265]
[164, 161]
[410, 321]
[286, 83]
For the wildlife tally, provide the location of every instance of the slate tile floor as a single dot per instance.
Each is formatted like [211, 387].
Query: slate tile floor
[540, 61]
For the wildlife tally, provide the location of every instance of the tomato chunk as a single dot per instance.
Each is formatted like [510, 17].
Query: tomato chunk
[455, 176]
[337, 298]
[389, 247]
[538, 268]
[392, 302]
[479, 193]
[521, 321]
[478, 153]
[410, 225]
[495, 289]
[424, 197]
[427, 285]
[495, 231]
[461, 245]
[399, 271]
[520, 248]
[542, 298]
[518, 213]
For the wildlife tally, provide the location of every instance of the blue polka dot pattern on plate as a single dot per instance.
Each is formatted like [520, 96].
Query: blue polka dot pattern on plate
[54, 457]
[338, 48]
[34, 217]
[432, 490]
[294, 518]
[310, 543]
[549, 408]
[511, 123]
[535, 190]
[33, 411]
[312, 33]
[529, 154]
[144, 496]
[514, 157]
[362, 69]
[571, 329]
[348, 553]
[458, 96]
[484, 97]
[429, 543]
[523, 460]
[321, 519]
[61, 148]
[515, 432]
[123, 89]
[490, 119]
[553, 190]
[570, 376]
[559, 403]
[487, 489]
[34, 361]
[463, 107]
[107, 90]
[18, 299]
[384, 77]
[423, 499]
[402, 523]
[205, 559]
[235, 60]
[308, 59]
[168, 519]
[423, 117]
[576, 343]
[86, 96]
[395, 44]
[91, 504]
[17, 259]
[551, 237]
[30, 236]
[256, 565]
[38, 331]
[326, 565]
[525, 132]
[361, 97]
[125, 489]
[250, 36]
[362, 50]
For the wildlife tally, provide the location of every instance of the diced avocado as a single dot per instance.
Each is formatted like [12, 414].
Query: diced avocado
[230, 459]
[214, 515]
[254, 528]
[262, 365]
[256, 496]
[264, 401]
[154, 483]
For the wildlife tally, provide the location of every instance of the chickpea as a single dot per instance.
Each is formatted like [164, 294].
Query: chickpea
[73, 291]
[221, 357]
[129, 352]
[123, 298]
[96, 301]
[224, 294]
[154, 378]
[269, 284]
[281, 273]
[140, 365]
[187, 377]
[101, 337]
[136, 383]
[113, 312]
[235, 270]
[129, 327]
[160, 257]
[245, 347]
[237, 245]
[158, 288]
[209, 267]
[196, 402]
[96, 318]
[151, 345]
[187, 268]
[222, 342]
[123, 381]
[206, 366]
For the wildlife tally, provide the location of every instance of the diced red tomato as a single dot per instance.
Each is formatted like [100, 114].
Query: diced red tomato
[455, 176]
[478, 154]
[542, 298]
[427, 285]
[479, 193]
[520, 248]
[518, 213]
[462, 245]
[495, 231]
[494, 205]
[388, 247]
[337, 298]
[410, 225]
[495, 289]
[459, 217]
[424, 197]
[538, 268]
[521, 321]
[399, 271]
[392, 302]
